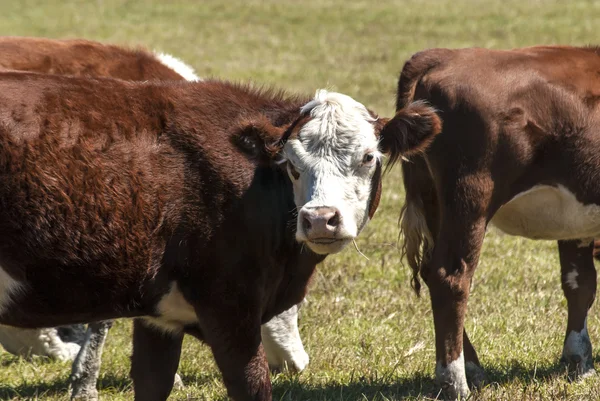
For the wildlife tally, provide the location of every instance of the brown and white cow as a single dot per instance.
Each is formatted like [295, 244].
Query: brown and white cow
[281, 338]
[202, 208]
[519, 149]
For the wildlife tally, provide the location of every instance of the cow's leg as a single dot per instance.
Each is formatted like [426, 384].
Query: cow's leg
[282, 343]
[448, 276]
[86, 367]
[43, 342]
[234, 338]
[154, 361]
[578, 276]
[475, 373]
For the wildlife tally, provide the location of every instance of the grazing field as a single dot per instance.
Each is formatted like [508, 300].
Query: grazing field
[368, 335]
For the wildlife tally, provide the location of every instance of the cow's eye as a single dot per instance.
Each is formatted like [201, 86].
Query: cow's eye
[368, 159]
[293, 172]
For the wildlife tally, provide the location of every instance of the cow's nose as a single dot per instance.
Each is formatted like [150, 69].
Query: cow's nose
[320, 222]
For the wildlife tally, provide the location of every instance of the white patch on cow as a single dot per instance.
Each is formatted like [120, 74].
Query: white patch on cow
[579, 348]
[548, 212]
[329, 154]
[178, 66]
[174, 312]
[9, 287]
[452, 378]
[571, 279]
[42, 342]
[282, 343]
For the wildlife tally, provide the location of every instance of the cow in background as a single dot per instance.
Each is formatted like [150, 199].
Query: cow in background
[519, 149]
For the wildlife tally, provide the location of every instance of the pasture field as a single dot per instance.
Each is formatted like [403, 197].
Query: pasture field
[369, 337]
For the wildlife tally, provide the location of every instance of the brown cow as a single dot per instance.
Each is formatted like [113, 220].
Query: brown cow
[281, 338]
[519, 150]
[87, 58]
[201, 207]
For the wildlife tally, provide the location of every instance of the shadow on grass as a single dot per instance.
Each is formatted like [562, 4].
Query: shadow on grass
[289, 387]
[419, 385]
[33, 390]
[357, 389]
[528, 374]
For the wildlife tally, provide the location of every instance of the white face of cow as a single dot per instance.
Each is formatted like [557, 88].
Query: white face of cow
[331, 163]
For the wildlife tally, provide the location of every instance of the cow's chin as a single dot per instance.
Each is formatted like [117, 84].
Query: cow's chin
[322, 247]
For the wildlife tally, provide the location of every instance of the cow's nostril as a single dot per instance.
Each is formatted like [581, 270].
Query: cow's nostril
[334, 221]
[306, 225]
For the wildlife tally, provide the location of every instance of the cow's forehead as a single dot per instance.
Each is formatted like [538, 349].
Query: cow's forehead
[339, 126]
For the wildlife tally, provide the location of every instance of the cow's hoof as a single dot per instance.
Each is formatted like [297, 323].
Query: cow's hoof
[579, 367]
[295, 361]
[577, 354]
[84, 394]
[452, 379]
[475, 375]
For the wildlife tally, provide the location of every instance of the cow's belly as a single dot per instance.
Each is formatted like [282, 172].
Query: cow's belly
[547, 212]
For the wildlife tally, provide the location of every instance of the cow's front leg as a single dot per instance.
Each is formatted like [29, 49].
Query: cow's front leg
[154, 361]
[282, 342]
[86, 367]
[233, 333]
[449, 276]
[578, 277]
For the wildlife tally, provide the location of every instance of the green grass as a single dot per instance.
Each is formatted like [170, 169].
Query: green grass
[368, 336]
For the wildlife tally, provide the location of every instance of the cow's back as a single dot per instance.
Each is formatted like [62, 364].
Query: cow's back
[496, 77]
[83, 58]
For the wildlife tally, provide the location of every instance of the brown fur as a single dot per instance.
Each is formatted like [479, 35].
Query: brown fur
[81, 58]
[115, 189]
[512, 120]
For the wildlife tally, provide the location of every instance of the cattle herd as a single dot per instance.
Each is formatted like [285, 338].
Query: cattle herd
[203, 207]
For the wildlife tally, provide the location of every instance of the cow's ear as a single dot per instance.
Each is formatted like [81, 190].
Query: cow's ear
[258, 138]
[412, 130]
[379, 124]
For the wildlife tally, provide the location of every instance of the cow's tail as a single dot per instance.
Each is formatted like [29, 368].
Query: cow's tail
[417, 236]
[419, 209]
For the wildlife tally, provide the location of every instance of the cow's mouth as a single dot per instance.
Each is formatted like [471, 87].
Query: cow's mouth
[324, 241]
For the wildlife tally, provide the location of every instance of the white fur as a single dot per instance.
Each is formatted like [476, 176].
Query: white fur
[282, 343]
[453, 378]
[43, 342]
[9, 287]
[548, 212]
[178, 66]
[328, 154]
[174, 312]
[571, 279]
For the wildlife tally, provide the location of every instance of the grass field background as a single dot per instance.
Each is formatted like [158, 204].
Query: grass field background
[369, 337]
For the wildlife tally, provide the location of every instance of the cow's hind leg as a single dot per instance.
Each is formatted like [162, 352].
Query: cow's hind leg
[154, 361]
[475, 373]
[578, 276]
[448, 275]
[86, 367]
